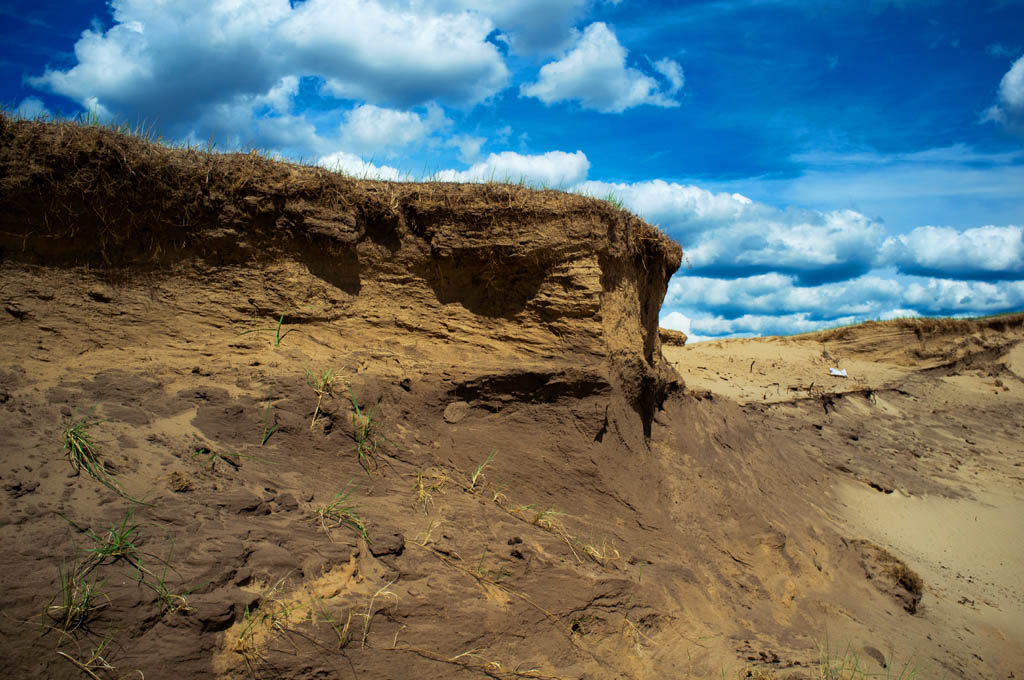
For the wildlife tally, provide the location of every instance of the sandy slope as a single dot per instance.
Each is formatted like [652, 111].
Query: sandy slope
[928, 435]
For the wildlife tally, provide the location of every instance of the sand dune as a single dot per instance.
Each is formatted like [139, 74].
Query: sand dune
[380, 430]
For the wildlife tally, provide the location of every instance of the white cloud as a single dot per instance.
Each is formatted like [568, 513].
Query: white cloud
[898, 314]
[594, 72]
[531, 26]
[681, 210]
[833, 244]
[32, 107]
[775, 304]
[677, 321]
[942, 296]
[776, 293]
[350, 164]
[727, 234]
[755, 324]
[553, 169]
[280, 97]
[1010, 107]
[260, 120]
[468, 146]
[673, 73]
[372, 130]
[173, 61]
[988, 252]
[380, 53]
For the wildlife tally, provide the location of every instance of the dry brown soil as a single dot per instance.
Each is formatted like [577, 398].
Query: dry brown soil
[546, 491]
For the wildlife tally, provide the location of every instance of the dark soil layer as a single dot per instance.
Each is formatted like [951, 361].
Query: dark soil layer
[270, 359]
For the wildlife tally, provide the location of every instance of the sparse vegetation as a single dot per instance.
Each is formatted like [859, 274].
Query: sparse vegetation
[603, 554]
[269, 428]
[471, 259]
[425, 492]
[339, 512]
[847, 665]
[364, 430]
[320, 383]
[170, 600]
[270, 619]
[614, 200]
[79, 590]
[427, 535]
[95, 663]
[278, 335]
[78, 599]
[82, 453]
[478, 472]
[370, 613]
[343, 631]
[117, 543]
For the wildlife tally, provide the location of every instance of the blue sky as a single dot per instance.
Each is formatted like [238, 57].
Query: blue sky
[821, 162]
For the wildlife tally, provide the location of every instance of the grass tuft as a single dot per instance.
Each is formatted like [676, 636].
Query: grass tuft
[846, 665]
[340, 513]
[320, 383]
[82, 454]
[95, 663]
[479, 471]
[364, 430]
[424, 491]
[268, 427]
[278, 335]
[79, 598]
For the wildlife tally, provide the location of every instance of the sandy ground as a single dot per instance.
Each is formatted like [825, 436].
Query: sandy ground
[373, 430]
[969, 551]
[942, 489]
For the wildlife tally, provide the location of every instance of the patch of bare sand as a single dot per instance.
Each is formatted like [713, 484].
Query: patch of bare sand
[969, 551]
[773, 370]
[925, 440]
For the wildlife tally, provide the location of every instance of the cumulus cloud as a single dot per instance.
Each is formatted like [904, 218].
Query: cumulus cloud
[554, 169]
[814, 246]
[260, 120]
[350, 164]
[32, 107]
[982, 253]
[468, 146]
[774, 304]
[773, 293]
[675, 321]
[681, 210]
[172, 61]
[369, 129]
[728, 234]
[385, 54]
[530, 26]
[673, 73]
[750, 325]
[594, 73]
[680, 322]
[1009, 110]
[946, 297]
